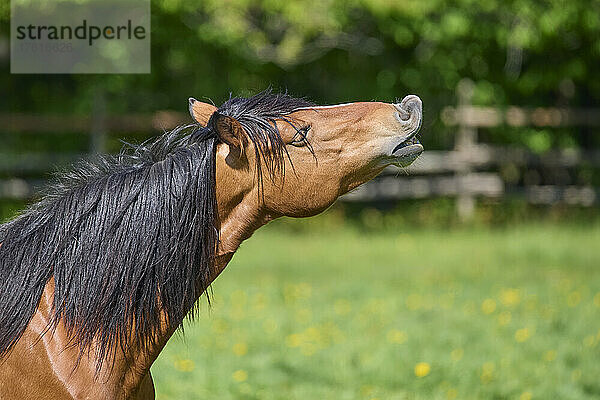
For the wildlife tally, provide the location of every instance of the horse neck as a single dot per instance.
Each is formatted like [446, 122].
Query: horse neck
[239, 206]
[240, 215]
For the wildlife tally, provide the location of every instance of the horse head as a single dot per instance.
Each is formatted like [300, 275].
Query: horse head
[325, 151]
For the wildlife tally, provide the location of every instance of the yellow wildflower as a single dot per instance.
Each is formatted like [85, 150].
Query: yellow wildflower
[525, 396]
[589, 341]
[184, 365]
[487, 372]
[240, 375]
[308, 349]
[550, 355]
[597, 299]
[488, 306]
[510, 297]
[396, 336]
[504, 318]
[240, 349]
[422, 369]
[457, 354]
[522, 335]
[293, 340]
[573, 299]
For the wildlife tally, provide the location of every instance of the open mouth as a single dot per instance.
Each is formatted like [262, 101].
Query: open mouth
[407, 151]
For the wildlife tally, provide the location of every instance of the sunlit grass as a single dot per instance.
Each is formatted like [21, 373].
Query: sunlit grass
[471, 313]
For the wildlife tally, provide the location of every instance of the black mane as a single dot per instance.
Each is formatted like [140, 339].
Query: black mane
[128, 236]
[257, 115]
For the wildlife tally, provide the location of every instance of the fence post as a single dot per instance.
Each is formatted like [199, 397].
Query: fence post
[98, 123]
[465, 141]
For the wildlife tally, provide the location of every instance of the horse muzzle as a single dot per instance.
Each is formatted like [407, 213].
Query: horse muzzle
[409, 113]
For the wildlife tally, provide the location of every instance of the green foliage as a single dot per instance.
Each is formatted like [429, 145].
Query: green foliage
[9, 209]
[420, 314]
[517, 52]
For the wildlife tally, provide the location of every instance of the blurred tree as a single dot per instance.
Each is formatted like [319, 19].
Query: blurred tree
[517, 52]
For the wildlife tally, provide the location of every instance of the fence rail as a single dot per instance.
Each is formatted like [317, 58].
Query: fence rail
[455, 173]
[486, 117]
[470, 170]
[34, 123]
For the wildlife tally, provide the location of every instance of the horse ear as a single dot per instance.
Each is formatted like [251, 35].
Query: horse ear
[229, 130]
[200, 111]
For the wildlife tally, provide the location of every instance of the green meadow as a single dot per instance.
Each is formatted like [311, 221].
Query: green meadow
[309, 312]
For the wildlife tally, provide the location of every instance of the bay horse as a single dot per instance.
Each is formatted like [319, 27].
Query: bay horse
[99, 274]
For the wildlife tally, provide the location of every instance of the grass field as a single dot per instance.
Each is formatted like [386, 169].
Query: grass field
[471, 313]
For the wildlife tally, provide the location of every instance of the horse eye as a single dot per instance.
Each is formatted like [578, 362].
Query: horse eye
[299, 138]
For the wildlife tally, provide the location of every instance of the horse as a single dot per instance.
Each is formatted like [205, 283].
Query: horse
[107, 265]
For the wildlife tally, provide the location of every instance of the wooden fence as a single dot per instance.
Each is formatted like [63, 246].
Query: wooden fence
[469, 170]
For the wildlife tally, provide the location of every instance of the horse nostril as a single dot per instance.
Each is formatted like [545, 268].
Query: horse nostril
[402, 113]
[410, 104]
[410, 111]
